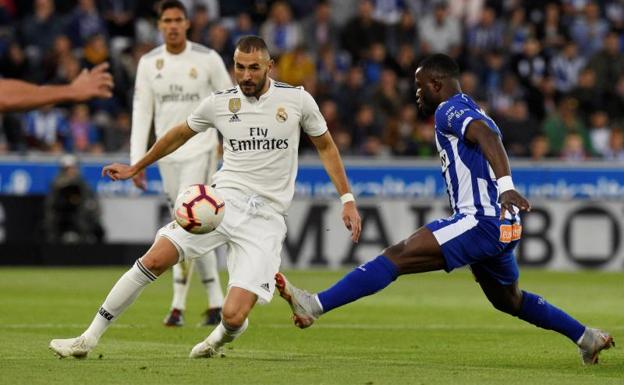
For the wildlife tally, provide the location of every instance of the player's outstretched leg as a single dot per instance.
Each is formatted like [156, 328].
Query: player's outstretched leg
[536, 310]
[208, 272]
[238, 304]
[158, 259]
[362, 281]
[181, 277]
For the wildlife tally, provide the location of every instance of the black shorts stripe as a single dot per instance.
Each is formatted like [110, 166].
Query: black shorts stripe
[145, 271]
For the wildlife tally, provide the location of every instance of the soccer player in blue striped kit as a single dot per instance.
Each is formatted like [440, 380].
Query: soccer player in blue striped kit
[482, 233]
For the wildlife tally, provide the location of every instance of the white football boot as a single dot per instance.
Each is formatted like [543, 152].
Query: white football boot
[205, 350]
[77, 347]
[303, 304]
[592, 343]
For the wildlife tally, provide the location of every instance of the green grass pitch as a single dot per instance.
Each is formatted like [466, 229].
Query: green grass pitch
[427, 329]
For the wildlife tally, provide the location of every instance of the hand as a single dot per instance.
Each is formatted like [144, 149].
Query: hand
[96, 83]
[140, 180]
[511, 198]
[352, 220]
[118, 171]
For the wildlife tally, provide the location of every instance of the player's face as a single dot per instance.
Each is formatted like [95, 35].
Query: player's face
[251, 71]
[425, 92]
[173, 26]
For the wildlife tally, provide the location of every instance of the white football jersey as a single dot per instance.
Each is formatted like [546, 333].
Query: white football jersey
[260, 137]
[168, 88]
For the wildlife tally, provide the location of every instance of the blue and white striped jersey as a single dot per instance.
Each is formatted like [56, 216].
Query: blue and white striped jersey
[470, 181]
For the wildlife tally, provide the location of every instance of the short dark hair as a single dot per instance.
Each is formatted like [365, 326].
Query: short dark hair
[168, 4]
[251, 43]
[440, 64]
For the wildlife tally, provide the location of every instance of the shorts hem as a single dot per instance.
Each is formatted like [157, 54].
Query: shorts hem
[181, 255]
[263, 297]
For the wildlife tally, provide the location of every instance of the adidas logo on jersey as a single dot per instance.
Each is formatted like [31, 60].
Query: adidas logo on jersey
[265, 286]
[234, 118]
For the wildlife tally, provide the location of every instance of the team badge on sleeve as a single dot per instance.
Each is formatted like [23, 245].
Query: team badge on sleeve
[193, 73]
[281, 115]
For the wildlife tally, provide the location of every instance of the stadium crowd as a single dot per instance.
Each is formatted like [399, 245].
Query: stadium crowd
[551, 73]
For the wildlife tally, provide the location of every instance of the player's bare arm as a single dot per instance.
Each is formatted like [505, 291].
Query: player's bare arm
[492, 147]
[332, 162]
[164, 146]
[18, 95]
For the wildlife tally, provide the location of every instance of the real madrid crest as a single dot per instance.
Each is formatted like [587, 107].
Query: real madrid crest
[281, 115]
[160, 63]
[193, 73]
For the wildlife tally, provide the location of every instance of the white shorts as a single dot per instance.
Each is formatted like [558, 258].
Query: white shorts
[178, 175]
[254, 232]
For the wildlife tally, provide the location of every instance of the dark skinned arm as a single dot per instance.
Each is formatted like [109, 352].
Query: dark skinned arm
[492, 147]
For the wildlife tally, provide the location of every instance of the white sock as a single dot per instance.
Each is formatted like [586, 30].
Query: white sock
[122, 295]
[207, 268]
[180, 282]
[222, 334]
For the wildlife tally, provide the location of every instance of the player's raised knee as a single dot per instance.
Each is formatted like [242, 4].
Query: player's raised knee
[232, 318]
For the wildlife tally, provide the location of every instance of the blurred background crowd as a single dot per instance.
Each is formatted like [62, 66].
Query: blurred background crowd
[551, 73]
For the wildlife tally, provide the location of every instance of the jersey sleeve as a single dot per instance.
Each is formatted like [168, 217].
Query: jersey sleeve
[142, 113]
[204, 115]
[312, 121]
[454, 118]
[219, 76]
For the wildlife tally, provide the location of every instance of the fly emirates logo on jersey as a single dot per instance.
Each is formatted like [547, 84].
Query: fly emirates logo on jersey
[176, 94]
[258, 140]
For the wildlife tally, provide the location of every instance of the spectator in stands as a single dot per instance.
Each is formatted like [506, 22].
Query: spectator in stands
[399, 134]
[562, 122]
[376, 60]
[388, 11]
[517, 31]
[200, 24]
[119, 16]
[470, 86]
[565, 67]
[589, 97]
[351, 94]
[616, 145]
[85, 22]
[280, 31]
[362, 31]
[95, 51]
[244, 26]
[493, 73]
[540, 148]
[319, 29]
[487, 35]
[296, 67]
[367, 133]
[219, 40]
[589, 29]
[615, 104]
[551, 31]
[404, 33]
[72, 212]
[39, 30]
[46, 129]
[501, 100]
[599, 132]
[440, 32]
[518, 128]
[61, 51]
[14, 63]
[386, 99]
[342, 136]
[608, 63]
[331, 68]
[573, 147]
[116, 136]
[83, 135]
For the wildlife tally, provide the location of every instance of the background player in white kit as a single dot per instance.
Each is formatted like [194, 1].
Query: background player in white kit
[261, 122]
[171, 81]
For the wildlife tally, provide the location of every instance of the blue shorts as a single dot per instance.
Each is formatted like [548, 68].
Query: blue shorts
[478, 242]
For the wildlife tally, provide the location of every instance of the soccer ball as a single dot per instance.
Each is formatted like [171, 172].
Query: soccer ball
[198, 209]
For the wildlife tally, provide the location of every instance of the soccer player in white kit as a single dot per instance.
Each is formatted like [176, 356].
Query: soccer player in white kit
[171, 81]
[261, 122]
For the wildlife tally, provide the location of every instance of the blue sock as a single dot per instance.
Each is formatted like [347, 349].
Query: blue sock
[540, 313]
[364, 280]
